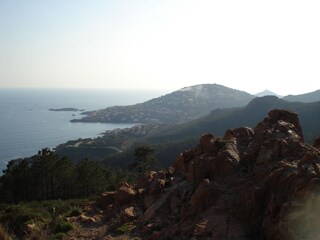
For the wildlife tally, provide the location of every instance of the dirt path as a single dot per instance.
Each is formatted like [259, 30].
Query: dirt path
[92, 225]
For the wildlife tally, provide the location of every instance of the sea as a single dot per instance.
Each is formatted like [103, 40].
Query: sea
[27, 125]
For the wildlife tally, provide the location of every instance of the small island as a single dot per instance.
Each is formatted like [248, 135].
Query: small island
[66, 110]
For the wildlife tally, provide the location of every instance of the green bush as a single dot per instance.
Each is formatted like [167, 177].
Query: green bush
[62, 226]
[59, 236]
[125, 228]
[45, 214]
[74, 211]
[16, 217]
[60, 207]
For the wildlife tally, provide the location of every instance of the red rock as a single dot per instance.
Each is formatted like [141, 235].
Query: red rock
[175, 204]
[148, 201]
[227, 160]
[206, 142]
[125, 194]
[244, 133]
[260, 183]
[170, 170]
[156, 186]
[316, 143]
[106, 198]
[128, 214]
[280, 123]
[181, 163]
[198, 169]
[201, 194]
[86, 219]
[146, 179]
[155, 235]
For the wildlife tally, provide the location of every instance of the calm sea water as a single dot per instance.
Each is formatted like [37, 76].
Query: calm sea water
[26, 124]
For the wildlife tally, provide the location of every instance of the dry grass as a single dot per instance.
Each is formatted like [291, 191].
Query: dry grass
[4, 235]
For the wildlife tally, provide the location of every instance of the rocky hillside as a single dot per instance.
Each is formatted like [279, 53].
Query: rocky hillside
[219, 120]
[252, 183]
[179, 106]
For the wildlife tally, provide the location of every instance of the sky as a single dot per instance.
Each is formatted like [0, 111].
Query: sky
[249, 45]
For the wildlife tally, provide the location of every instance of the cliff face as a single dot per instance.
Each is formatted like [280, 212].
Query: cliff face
[252, 183]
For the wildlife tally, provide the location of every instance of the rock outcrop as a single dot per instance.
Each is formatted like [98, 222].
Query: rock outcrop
[252, 183]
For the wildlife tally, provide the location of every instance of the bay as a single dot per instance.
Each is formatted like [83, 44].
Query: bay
[27, 125]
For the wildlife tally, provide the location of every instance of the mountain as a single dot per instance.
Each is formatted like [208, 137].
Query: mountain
[221, 119]
[307, 97]
[180, 106]
[252, 183]
[169, 140]
[267, 93]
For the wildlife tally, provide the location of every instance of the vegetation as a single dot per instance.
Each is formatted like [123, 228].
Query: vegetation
[179, 106]
[74, 211]
[62, 226]
[16, 217]
[172, 139]
[35, 193]
[144, 159]
[59, 236]
[47, 176]
[45, 217]
[125, 228]
[110, 143]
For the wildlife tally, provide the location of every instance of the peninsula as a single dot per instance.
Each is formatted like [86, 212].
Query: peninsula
[66, 110]
[186, 104]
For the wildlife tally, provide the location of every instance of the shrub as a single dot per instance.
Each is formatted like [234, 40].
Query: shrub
[60, 207]
[62, 226]
[125, 228]
[16, 217]
[59, 236]
[74, 211]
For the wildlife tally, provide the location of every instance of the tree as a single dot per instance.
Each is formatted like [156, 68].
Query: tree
[45, 167]
[48, 176]
[14, 183]
[144, 159]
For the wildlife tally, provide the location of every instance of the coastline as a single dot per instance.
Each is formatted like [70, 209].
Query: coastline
[66, 109]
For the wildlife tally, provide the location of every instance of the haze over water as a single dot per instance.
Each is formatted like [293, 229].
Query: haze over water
[27, 125]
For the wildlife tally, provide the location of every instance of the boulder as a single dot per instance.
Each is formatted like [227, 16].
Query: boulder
[280, 124]
[227, 160]
[128, 214]
[106, 198]
[206, 142]
[181, 163]
[125, 194]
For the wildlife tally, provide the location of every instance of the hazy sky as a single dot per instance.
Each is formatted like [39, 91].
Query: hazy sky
[249, 45]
